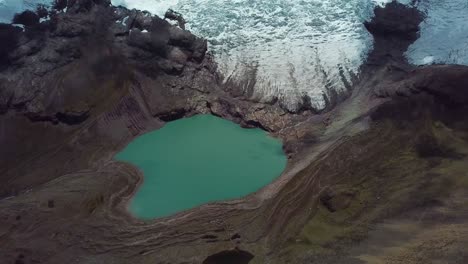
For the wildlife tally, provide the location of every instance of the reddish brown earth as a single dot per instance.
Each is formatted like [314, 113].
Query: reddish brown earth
[380, 176]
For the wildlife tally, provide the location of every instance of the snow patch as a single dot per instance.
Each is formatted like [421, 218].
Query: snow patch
[19, 25]
[157, 7]
[44, 19]
[428, 60]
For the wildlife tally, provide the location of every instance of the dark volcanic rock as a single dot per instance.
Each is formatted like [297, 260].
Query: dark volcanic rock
[440, 90]
[42, 11]
[72, 118]
[394, 27]
[173, 15]
[395, 20]
[60, 4]
[27, 18]
[9, 37]
[80, 6]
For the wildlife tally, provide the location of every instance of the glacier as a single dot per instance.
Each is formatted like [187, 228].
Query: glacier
[292, 48]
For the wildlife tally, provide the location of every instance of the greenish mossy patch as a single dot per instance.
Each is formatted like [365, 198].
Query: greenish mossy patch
[381, 173]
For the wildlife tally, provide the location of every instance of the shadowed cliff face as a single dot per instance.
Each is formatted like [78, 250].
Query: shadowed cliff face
[388, 160]
[9, 41]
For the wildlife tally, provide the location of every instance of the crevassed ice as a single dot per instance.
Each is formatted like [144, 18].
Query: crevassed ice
[293, 47]
[444, 33]
[289, 48]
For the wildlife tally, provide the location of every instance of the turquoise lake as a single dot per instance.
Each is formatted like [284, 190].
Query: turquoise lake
[198, 160]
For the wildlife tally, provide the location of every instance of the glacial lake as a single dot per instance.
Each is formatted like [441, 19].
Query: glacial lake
[198, 160]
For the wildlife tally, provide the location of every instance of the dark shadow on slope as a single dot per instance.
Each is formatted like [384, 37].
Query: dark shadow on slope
[229, 257]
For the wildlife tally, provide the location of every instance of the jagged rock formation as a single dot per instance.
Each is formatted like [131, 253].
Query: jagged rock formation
[76, 88]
